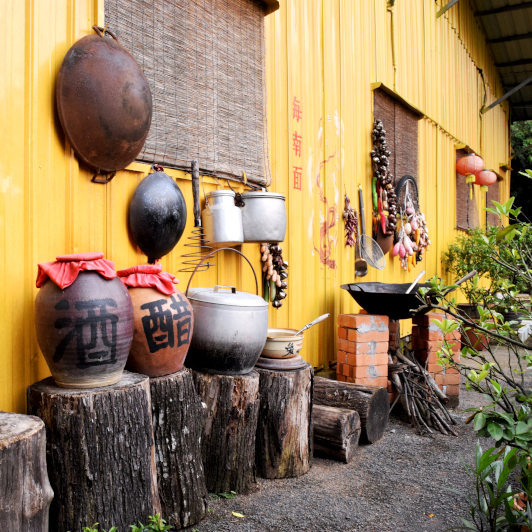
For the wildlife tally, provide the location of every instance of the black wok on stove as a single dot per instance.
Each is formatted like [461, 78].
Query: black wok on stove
[386, 299]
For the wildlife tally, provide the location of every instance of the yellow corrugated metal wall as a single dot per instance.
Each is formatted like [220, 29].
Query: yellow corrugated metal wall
[323, 57]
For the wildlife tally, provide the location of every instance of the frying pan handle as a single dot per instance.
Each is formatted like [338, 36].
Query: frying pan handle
[361, 207]
[102, 31]
[213, 252]
[466, 277]
[196, 193]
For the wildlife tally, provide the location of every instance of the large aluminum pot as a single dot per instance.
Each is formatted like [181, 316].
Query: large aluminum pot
[230, 327]
[263, 216]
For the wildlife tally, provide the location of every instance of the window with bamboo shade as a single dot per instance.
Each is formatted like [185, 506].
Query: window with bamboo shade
[204, 61]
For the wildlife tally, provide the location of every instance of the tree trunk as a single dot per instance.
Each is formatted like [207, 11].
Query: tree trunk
[371, 403]
[228, 441]
[336, 432]
[284, 426]
[177, 427]
[100, 452]
[25, 492]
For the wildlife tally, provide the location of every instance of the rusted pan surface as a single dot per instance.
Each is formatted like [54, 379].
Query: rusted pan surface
[104, 102]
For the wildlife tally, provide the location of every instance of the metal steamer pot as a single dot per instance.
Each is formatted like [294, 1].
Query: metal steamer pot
[263, 216]
[230, 327]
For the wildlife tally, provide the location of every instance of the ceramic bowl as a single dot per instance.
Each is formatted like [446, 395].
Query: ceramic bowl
[281, 343]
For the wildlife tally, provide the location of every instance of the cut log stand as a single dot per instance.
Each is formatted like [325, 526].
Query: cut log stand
[284, 435]
[100, 452]
[178, 417]
[228, 441]
[25, 492]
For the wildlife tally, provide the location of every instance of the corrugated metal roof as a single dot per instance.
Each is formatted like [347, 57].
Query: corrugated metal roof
[508, 28]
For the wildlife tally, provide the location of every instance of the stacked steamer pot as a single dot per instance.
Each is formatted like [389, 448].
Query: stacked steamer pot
[230, 327]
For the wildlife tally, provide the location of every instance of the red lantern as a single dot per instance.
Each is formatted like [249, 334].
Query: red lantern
[469, 165]
[485, 178]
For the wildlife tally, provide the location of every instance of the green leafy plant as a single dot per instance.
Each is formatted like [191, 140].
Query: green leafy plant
[494, 506]
[155, 524]
[507, 415]
[224, 495]
[94, 528]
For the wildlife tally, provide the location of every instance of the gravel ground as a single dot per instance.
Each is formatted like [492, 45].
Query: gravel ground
[401, 483]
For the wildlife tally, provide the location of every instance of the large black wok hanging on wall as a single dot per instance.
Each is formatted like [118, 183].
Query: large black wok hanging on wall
[103, 101]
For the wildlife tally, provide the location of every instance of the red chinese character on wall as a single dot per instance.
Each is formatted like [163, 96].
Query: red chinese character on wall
[297, 141]
[297, 113]
[298, 173]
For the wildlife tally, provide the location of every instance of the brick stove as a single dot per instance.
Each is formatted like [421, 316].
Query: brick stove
[367, 342]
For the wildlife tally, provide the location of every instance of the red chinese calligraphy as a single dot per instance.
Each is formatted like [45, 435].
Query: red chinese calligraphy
[297, 142]
[297, 112]
[298, 174]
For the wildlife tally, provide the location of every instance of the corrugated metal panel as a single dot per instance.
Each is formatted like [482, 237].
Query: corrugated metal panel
[323, 56]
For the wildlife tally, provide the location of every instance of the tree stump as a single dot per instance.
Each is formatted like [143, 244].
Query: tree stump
[228, 441]
[284, 435]
[177, 428]
[25, 492]
[100, 452]
[336, 432]
[371, 403]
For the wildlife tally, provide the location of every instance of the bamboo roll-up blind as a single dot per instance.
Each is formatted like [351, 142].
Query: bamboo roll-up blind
[204, 61]
[401, 127]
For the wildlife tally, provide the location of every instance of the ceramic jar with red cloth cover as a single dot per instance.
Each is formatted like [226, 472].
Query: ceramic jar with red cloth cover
[163, 321]
[84, 320]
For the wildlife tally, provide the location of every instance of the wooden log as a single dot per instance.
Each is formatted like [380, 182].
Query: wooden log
[284, 430]
[336, 432]
[371, 403]
[228, 441]
[25, 491]
[178, 417]
[100, 451]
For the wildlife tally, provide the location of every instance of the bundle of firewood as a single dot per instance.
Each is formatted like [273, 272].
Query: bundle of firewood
[421, 398]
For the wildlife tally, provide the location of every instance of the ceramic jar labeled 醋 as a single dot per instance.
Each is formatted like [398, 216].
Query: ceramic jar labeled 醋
[84, 320]
[163, 320]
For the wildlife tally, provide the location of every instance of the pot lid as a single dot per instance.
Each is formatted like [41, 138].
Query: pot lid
[218, 193]
[226, 295]
[262, 194]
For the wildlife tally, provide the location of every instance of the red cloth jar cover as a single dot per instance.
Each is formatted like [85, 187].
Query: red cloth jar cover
[66, 269]
[149, 276]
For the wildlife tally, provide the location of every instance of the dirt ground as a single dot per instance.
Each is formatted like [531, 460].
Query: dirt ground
[404, 482]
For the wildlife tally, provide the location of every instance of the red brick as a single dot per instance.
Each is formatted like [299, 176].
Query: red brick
[429, 345]
[426, 357]
[394, 326]
[370, 371]
[451, 378]
[378, 359]
[341, 357]
[452, 389]
[355, 335]
[381, 382]
[425, 319]
[346, 370]
[340, 378]
[426, 333]
[342, 333]
[339, 366]
[346, 345]
[439, 378]
[351, 359]
[367, 348]
[434, 367]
